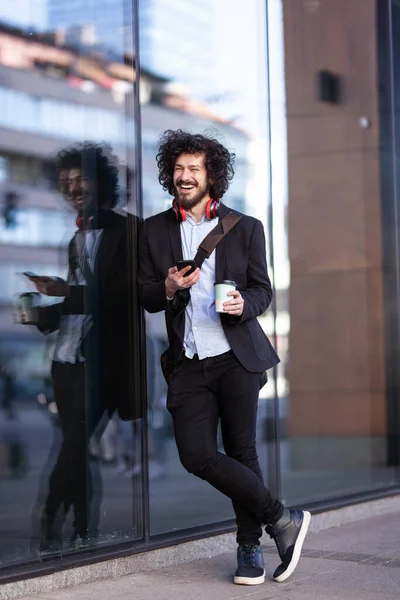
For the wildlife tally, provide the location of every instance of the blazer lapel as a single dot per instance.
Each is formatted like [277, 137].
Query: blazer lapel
[220, 256]
[175, 238]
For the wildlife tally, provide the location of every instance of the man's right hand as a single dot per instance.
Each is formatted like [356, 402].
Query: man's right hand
[51, 286]
[176, 280]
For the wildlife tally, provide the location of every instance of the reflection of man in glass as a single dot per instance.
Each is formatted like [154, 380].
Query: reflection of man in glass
[216, 360]
[91, 365]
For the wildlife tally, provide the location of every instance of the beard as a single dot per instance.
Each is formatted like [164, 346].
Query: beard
[189, 201]
[83, 204]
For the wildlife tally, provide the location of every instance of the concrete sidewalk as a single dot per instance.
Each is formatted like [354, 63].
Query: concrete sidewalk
[360, 561]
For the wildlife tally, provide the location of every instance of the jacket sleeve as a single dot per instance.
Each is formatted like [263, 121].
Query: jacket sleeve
[49, 318]
[152, 294]
[258, 294]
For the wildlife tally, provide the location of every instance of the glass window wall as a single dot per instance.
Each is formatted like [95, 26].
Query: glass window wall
[227, 97]
[71, 427]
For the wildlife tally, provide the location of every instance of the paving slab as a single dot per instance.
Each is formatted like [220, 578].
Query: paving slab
[202, 580]
[358, 561]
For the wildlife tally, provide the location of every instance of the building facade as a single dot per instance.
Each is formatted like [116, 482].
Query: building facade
[314, 130]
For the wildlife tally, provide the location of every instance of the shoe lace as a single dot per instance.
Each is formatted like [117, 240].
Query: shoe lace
[273, 533]
[248, 555]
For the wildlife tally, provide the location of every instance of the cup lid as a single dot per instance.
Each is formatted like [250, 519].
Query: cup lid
[225, 282]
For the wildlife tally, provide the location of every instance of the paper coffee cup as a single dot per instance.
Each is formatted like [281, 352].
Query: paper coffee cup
[221, 290]
[28, 307]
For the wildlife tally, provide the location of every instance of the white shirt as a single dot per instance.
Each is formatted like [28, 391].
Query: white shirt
[204, 334]
[73, 327]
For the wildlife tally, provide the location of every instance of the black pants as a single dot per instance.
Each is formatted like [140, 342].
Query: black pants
[202, 392]
[78, 405]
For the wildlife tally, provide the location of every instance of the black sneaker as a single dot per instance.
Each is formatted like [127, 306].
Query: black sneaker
[289, 534]
[50, 533]
[250, 569]
[84, 537]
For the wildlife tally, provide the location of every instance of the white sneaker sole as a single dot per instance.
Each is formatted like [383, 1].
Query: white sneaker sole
[249, 580]
[297, 548]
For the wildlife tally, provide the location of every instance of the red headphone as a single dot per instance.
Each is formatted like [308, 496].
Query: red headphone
[212, 209]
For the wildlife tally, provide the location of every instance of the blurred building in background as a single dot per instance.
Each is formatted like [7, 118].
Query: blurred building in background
[103, 26]
[52, 96]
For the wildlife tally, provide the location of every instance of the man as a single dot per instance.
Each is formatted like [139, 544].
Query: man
[217, 360]
[91, 368]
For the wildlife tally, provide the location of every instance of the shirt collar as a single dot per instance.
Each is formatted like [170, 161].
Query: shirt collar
[194, 223]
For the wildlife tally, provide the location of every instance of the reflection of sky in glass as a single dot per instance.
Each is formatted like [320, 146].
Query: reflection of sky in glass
[24, 13]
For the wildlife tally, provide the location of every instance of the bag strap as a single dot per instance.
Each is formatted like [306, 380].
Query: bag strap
[216, 235]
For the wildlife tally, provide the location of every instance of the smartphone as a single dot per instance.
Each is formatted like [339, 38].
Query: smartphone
[30, 274]
[181, 264]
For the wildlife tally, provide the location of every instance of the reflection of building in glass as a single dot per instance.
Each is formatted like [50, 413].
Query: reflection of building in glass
[97, 23]
[176, 39]
[172, 47]
[172, 37]
[49, 99]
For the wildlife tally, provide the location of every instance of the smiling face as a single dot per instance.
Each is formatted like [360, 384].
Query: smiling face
[190, 180]
[77, 189]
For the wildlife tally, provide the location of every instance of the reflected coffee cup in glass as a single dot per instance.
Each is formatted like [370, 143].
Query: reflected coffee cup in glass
[28, 305]
[221, 290]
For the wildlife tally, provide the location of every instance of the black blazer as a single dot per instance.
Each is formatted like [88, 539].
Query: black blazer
[240, 256]
[107, 298]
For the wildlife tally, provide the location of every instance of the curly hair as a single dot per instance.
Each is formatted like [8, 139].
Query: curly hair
[97, 163]
[218, 160]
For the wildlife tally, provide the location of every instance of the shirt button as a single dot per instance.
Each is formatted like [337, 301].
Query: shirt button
[195, 328]
[195, 307]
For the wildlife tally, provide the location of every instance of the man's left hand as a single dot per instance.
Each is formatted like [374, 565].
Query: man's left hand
[50, 286]
[235, 306]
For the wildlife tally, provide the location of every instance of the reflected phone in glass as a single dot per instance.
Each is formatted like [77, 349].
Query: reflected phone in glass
[30, 274]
